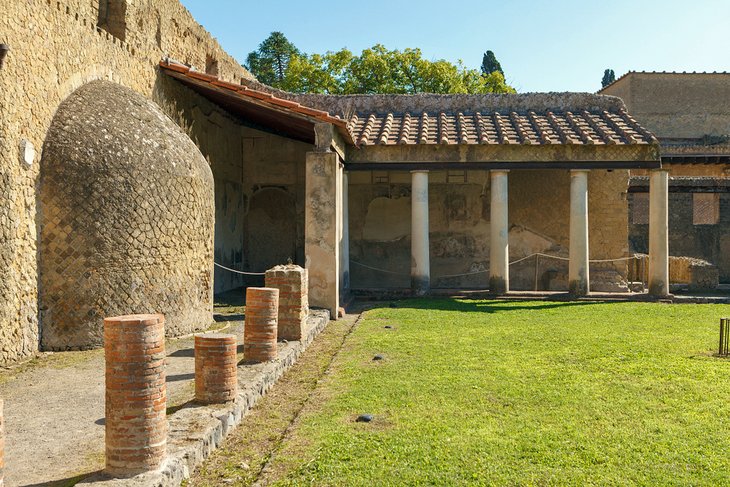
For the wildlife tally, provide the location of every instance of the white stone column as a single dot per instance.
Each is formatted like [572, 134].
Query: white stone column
[578, 280]
[499, 233]
[345, 240]
[420, 263]
[659, 233]
[322, 221]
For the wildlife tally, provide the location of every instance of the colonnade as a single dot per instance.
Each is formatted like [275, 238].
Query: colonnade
[578, 268]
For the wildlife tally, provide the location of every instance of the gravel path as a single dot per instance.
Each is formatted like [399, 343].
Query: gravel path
[54, 411]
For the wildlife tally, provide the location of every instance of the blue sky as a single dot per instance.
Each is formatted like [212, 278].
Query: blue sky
[559, 45]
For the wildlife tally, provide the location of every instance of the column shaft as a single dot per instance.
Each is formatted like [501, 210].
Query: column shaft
[136, 394]
[420, 263]
[260, 329]
[345, 241]
[322, 229]
[499, 233]
[578, 279]
[659, 233]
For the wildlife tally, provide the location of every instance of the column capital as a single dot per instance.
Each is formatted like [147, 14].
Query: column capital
[498, 171]
[579, 171]
[416, 171]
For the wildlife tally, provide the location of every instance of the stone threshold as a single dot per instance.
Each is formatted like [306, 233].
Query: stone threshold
[195, 431]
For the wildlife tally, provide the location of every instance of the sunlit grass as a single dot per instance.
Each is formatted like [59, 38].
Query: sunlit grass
[527, 393]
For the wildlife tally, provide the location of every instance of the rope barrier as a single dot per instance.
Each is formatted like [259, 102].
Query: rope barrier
[379, 270]
[540, 254]
[239, 272]
[386, 271]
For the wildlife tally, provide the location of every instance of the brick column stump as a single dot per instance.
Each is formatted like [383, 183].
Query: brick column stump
[216, 380]
[2, 444]
[260, 327]
[292, 282]
[136, 396]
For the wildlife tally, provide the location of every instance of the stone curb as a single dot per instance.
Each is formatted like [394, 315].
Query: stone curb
[195, 431]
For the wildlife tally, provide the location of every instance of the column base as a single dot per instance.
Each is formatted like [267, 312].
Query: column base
[659, 289]
[420, 285]
[498, 285]
[578, 288]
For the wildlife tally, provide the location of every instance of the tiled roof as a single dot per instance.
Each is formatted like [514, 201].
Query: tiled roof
[528, 119]
[494, 127]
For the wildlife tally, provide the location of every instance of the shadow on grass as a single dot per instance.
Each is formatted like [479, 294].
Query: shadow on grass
[485, 306]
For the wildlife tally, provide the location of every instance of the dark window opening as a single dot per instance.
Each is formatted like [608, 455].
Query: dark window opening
[211, 65]
[113, 17]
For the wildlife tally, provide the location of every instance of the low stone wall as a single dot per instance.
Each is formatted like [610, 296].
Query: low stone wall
[697, 273]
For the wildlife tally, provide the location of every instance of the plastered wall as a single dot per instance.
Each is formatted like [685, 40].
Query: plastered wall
[379, 210]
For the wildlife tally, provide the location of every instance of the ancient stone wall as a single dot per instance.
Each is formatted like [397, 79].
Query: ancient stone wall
[709, 242]
[539, 203]
[691, 170]
[56, 48]
[259, 186]
[677, 105]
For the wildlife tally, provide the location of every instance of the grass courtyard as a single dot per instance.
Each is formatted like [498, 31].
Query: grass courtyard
[500, 393]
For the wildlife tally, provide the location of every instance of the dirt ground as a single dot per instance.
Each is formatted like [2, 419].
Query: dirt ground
[54, 409]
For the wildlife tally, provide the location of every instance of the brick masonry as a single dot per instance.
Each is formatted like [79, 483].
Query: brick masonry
[195, 432]
[136, 394]
[215, 368]
[706, 242]
[127, 220]
[260, 329]
[293, 284]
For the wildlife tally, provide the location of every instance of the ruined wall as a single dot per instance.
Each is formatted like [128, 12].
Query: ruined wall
[259, 186]
[677, 105]
[459, 227]
[56, 48]
[708, 242]
[690, 170]
[273, 175]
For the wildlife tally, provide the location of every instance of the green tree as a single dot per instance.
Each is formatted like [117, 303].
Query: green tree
[608, 77]
[270, 62]
[490, 64]
[380, 70]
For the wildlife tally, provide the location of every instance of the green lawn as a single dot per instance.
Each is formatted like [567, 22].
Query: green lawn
[519, 393]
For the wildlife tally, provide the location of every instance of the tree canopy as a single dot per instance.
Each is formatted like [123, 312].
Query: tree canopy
[270, 61]
[490, 64]
[608, 77]
[375, 70]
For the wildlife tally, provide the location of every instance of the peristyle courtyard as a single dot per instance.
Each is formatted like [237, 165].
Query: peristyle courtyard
[491, 392]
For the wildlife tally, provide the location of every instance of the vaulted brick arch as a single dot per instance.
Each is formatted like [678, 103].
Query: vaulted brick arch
[126, 215]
